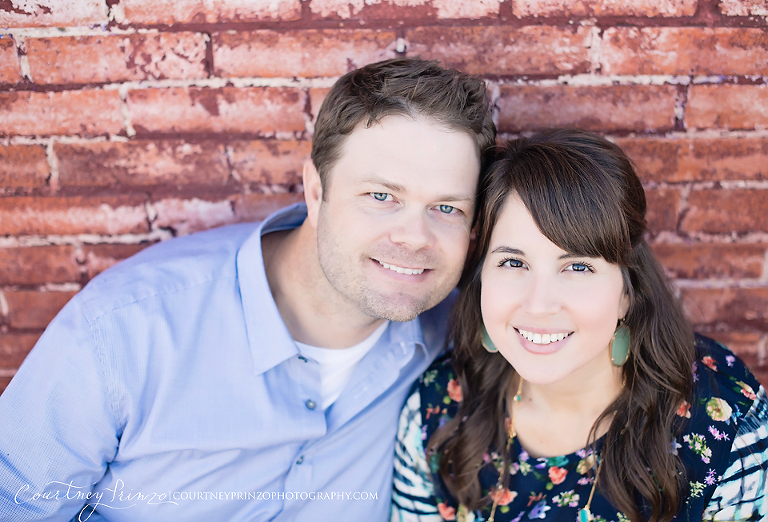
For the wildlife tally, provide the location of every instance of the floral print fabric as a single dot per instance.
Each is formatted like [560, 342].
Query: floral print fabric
[723, 448]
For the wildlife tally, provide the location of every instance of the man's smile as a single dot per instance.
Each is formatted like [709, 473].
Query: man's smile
[401, 270]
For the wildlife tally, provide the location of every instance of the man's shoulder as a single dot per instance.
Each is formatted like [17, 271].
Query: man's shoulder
[435, 322]
[169, 267]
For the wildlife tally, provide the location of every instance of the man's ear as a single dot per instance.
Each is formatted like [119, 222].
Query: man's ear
[313, 191]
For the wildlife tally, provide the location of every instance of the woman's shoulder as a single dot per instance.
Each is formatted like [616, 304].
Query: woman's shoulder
[440, 393]
[722, 379]
[725, 393]
[725, 445]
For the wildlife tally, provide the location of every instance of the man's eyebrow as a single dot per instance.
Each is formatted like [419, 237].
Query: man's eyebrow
[389, 186]
[456, 198]
[393, 187]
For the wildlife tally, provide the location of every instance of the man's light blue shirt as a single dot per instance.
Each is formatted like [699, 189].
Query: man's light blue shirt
[170, 389]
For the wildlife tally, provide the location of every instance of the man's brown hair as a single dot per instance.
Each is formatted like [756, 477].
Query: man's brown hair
[405, 87]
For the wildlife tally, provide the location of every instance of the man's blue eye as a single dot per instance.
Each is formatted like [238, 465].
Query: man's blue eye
[446, 209]
[380, 196]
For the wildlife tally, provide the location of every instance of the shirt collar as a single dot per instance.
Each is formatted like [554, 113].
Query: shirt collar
[268, 337]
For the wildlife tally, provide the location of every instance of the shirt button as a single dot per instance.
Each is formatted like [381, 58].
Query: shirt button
[300, 459]
[302, 358]
[310, 404]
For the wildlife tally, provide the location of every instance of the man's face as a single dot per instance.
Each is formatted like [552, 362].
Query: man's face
[394, 220]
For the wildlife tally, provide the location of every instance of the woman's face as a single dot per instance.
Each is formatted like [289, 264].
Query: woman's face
[550, 313]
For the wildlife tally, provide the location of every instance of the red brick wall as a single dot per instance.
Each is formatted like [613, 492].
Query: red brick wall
[125, 122]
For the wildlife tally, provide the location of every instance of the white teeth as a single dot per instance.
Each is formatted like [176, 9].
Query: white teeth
[538, 338]
[400, 270]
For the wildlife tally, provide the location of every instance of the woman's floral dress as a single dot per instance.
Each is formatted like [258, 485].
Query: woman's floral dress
[724, 447]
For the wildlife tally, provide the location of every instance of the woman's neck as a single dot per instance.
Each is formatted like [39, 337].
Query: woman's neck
[556, 418]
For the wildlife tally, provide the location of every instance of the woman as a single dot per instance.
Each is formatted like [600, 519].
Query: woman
[576, 389]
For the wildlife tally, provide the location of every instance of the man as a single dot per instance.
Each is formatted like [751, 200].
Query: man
[256, 372]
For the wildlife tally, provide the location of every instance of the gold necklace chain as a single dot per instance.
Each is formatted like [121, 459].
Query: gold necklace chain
[585, 515]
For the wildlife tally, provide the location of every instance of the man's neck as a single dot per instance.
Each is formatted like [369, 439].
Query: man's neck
[312, 310]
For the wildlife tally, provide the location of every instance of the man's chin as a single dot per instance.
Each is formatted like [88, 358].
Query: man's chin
[399, 309]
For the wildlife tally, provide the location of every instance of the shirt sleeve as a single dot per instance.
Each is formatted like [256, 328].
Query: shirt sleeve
[413, 495]
[58, 430]
[742, 491]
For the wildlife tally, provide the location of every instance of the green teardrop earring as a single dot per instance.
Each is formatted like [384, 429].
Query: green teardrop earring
[620, 345]
[487, 343]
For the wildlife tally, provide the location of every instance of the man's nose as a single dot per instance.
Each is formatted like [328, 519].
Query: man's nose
[412, 229]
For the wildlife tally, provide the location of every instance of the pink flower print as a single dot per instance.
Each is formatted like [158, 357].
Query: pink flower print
[454, 390]
[446, 511]
[709, 361]
[684, 410]
[557, 475]
[503, 496]
[747, 390]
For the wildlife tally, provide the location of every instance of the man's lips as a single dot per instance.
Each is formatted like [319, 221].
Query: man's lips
[400, 269]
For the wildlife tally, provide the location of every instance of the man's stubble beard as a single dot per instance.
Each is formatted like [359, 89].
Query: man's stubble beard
[357, 292]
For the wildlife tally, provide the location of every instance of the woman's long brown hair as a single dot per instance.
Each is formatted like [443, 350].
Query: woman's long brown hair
[584, 195]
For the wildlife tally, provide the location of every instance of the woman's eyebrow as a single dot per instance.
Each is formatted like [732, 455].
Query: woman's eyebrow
[507, 250]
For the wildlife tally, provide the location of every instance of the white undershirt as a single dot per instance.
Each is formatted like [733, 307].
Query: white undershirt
[337, 364]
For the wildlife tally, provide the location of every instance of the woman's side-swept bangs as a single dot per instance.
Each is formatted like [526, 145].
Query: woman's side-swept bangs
[575, 187]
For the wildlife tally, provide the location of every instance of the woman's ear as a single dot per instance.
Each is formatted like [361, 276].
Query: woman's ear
[313, 191]
[624, 304]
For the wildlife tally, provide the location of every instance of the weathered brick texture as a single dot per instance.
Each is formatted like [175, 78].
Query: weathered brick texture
[114, 58]
[38, 265]
[253, 110]
[726, 211]
[738, 308]
[32, 309]
[270, 162]
[685, 50]
[712, 260]
[255, 207]
[84, 113]
[744, 7]
[316, 98]
[646, 8]
[663, 207]
[14, 347]
[141, 163]
[150, 12]
[728, 106]
[73, 215]
[604, 108]
[185, 216]
[10, 68]
[98, 258]
[306, 54]
[23, 166]
[400, 9]
[505, 50]
[49, 13]
[701, 159]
